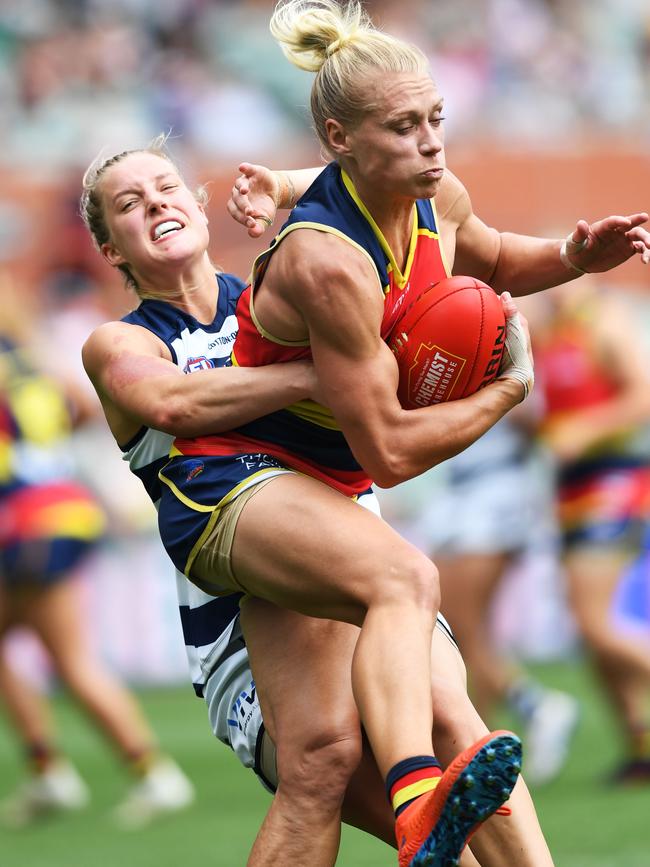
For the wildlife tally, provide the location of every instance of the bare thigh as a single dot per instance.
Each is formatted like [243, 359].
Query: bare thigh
[302, 669]
[53, 613]
[303, 545]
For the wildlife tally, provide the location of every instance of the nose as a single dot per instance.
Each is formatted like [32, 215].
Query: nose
[430, 142]
[155, 202]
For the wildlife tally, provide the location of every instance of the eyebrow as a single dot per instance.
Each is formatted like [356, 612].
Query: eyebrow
[413, 113]
[132, 190]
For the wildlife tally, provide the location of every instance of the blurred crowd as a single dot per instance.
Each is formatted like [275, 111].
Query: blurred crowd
[76, 75]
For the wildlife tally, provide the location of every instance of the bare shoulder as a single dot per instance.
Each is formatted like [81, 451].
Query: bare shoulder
[326, 264]
[115, 338]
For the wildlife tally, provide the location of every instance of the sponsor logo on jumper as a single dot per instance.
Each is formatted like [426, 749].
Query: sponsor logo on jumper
[241, 712]
[223, 340]
[193, 469]
[259, 461]
[199, 363]
[199, 344]
[436, 372]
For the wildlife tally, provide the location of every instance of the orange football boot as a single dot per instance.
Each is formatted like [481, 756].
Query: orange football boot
[434, 829]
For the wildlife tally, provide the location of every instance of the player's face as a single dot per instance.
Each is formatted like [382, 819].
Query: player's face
[398, 146]
[153, 218]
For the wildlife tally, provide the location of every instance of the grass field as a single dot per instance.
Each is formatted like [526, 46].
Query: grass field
[587, 824]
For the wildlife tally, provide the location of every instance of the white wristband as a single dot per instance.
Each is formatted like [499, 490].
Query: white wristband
[575, 247]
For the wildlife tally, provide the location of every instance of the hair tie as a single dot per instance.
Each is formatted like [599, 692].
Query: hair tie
[337, 44]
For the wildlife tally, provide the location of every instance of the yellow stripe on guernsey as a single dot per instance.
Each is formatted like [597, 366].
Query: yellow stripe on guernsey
[400, 279]
[414, 791]
[5, 459]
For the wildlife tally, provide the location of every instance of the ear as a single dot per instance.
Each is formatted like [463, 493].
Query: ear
[337, 137]
[112, 255]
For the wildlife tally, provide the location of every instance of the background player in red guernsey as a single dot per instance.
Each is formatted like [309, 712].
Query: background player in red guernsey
[237, 515]
[596, 397]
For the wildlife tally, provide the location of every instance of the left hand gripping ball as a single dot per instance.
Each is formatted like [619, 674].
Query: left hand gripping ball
[448, 342]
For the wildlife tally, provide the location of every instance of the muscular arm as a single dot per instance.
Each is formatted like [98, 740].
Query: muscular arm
[519, 263]
[338, 295]
[139, 385]
[523, 264]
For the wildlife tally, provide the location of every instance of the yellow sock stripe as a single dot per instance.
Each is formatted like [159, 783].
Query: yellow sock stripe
[414, 790]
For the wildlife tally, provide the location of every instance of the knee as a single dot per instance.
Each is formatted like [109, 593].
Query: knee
[411, 580]
[319, 770]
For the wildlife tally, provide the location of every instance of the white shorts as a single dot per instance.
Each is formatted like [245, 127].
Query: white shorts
[234, 709]
[488, 513]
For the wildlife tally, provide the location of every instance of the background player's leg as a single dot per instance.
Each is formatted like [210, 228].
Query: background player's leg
[55, 614]
[621, 662]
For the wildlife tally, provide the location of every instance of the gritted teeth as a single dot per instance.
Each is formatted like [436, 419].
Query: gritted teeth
[165, 228]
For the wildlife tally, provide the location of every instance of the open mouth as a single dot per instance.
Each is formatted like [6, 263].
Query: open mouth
[163, 230]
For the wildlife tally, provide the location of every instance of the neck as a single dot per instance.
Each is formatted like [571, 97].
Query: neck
[393, 216]
[192, 289]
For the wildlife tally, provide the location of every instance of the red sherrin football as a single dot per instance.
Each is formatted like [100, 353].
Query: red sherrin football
[448, 342]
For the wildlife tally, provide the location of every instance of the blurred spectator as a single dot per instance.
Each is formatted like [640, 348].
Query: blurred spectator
[75, 76]
[48, 523]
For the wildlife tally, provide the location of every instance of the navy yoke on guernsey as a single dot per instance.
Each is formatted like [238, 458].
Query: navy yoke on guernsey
[207, 621]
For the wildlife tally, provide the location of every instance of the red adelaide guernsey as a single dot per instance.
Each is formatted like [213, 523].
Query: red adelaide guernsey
[305, 436]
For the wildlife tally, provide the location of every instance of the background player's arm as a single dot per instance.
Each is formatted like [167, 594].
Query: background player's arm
[523, 264]
[622, 349]
[338, 294]
[138, 384]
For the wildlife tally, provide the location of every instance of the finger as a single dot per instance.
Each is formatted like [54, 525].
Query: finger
[615, 223]
[638, 233]
[236, 214]
[247, 169]
[638, 219]
[509, 306]
[581, 232]
[264, 222]
[256, 230]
